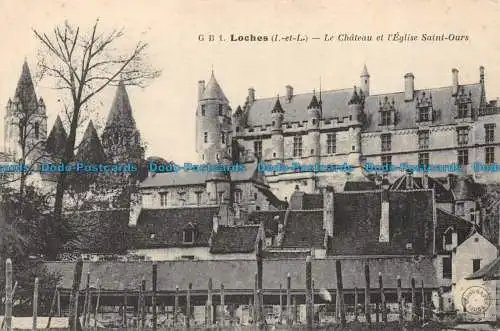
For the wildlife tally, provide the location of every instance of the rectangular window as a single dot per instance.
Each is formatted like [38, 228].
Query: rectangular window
[223, 137]
[37, 130]
[331, 143]
[448, 237]
[472, 214]
[220, 197]
[386, 161]
[386, 142]
[297, 146]
[203, 107]
[257, 147]
[163, 199]
[221, 110]
[237, 196]
[489, 133]
[459, 209]
[423, 159]
[205, 137]
[463, 136]
[447, 267]
[385, 118]
[476, 265]
[423, 114]
[463, 157]
[188, 236]
[490, 155]
[423, 139]
[462, 110]
[198, 198]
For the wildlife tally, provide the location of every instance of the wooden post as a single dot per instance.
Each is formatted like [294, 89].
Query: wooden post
[176, 305]
[35, 304]
[188, 305]
[74, 321]
[382, 298]
[222, 304]
[260, 293]
[210, 313]
[256, 300]
[309, 317]
[52, 305]
[356, 303]
[8, 295]
[340, 289]
[367, 294]
[423, 302]
[86, 300]
[153, 298]
[143, 303]
[97, 302]
[288, 299]
[413, 301]
[280, 320]
[400, 300]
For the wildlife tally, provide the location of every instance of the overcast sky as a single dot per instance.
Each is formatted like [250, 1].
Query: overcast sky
[165, 110]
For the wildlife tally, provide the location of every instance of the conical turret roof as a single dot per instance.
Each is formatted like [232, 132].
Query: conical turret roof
[25, 90]
[277, 107]
[90, 149]
[213, 91]
[314, 102]
[56, 141]
[121, 110]
[364, 72]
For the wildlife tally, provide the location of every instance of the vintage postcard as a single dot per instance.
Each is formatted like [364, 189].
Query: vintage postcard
[244, 165]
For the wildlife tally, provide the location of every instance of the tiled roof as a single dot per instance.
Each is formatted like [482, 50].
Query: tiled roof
[235, 239]
[121, 111]
[335, 105]
[441, 193]
[269, 219]
[304, 228]
[56, 141]
[103, 231]
[168, 226]
[239, 274]
[488, 272]
[356, 226]
[446, 220]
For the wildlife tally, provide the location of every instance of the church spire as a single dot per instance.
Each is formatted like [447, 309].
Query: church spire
[90, 149]
[25, 90]
[120, 114]
[56, 142]
[277, 106]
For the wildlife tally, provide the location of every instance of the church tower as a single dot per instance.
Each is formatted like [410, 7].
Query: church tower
[25, 119]
[120, 139]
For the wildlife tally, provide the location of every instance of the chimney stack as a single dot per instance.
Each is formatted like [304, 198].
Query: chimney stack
[454, 74]
[425, 180]
[289, 92]
[251, 95]
[409, 86]
[201, 89]
[328, 210]
[384, 217]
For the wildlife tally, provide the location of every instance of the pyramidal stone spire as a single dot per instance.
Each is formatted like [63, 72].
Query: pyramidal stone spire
[90, 149]
[213, 91]
[25, 90]
[277, 106]
[56, 141]
[121, 110]
[314, 102]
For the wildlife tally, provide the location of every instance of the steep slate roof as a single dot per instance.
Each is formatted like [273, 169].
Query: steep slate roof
[25, 89]
[356, 229]
[90, 149]
[268, 217]
[168, 226]
[213, 91]
[57, 138]
[176, 179]
[234, 239]
[488, 272]
[441, 193]
[465, 188]
[121, 110]
[239, 274]
[303, 229]
[446, 220]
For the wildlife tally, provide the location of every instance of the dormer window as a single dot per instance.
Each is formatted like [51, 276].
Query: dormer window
[463, 109]
[189, 234]
[424, 114]
[163, 199]
[385, 118]
[448, 237]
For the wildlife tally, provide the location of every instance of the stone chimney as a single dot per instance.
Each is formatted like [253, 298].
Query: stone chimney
[201, 89]
[425, 180]
[409, 180]
[289, 92]
[409, 86]
[454, 75]
[328, 210]
[251, 95]
[384, 235]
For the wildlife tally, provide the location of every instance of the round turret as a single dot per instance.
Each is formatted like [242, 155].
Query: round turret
[314, 113]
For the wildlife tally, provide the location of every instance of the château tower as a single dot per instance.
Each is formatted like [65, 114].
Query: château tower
[25, 117]
[277, 131]
[120, 139]
[313, 136]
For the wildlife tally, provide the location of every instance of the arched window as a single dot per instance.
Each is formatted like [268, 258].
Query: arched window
[37, 130]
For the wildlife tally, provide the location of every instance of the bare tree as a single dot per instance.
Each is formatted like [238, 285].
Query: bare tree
[82, 64]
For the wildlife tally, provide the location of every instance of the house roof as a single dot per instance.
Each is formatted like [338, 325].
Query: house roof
[488, 272]
[168, 226]
[441, 193]
[270, 218]
[234, 239]
[120, 113]
[465, 188]
[446, 220]
[356, 229]
[239, 274]
[304, 228]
